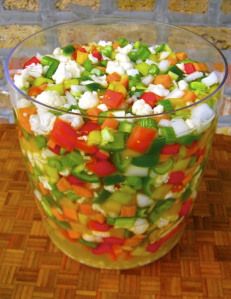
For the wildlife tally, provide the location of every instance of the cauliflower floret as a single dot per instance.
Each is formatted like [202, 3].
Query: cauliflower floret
[42, 123]
[183, 85]
[20, 80]
[140, 107]
[143, 200]
[140, 226]
[76, 121]
[158, 109]
[211, 79]
[67, 70]
[132, 72]
[51, 98]
[114, 67]
[88, 100]
[158, 89]
[22, 103]
[35, 70]
[163, 65]
[194, 76]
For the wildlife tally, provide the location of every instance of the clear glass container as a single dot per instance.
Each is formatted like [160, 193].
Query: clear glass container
[83, 220]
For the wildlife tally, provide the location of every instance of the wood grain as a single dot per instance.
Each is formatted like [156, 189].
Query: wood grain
[31, 267]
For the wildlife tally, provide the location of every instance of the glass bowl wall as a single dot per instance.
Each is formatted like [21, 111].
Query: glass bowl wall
[72, 212]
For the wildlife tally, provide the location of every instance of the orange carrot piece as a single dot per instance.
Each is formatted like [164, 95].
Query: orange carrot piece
[115, 45]
[73, 234]
[181, 55]
[63, 185]
[24, 116]
[93, 113]
[98, 217]
[43, 189]
[200, 66]
[82, 191]
[70, 213]
[51, 143]
[57, 214]
[36, 90]
[172, 59]
[134, 240]
[189, 96]
[113, 77]
[110, 123]
[128, 211]
[86, 209]
[165, 80]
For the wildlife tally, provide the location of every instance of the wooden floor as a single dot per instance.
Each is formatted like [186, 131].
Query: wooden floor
[31, 267]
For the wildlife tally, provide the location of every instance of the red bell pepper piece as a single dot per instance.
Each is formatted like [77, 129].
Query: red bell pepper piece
[170, 149]
[102, 155]
[97, 54]
[101, 227]
[113, 241]
[56, 149]
[154, 246]
[74, 180]
[101, 168]
[88, 127]
[150, 98]
[102, 249]
[189, 68]
[83, 146]
[64, 135]
[113, 99]
[141, 139]
[176, 177]
[186, 208]
[32, 60]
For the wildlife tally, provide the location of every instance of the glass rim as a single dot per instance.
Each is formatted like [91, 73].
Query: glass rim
[102, 20]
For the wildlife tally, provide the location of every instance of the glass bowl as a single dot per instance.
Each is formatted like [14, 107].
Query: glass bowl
[138, 215]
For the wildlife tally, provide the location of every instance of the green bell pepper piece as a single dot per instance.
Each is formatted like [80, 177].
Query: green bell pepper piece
[52, 69]
[166, 104]
[102, 197]
[160, 207]
[40, 141]
[68, 50]
[174, 69]
[71, 159]
[147, 123]
[169, 134]
[148, 185]
[41, 80]
[107, 51]
[94, 138]
[122, 41]
[125, 127]
[47, 60]
[153, 70]
[187, 193]
[68, 82]
[91, 178]
[147, 160]
[55, 163]
[88, 243]
[198, 86]
[94, 86]
[117, 144]
[125, 222]
[143, 68]
[157, 145]
[120, 163]
[163, 167]
[57, 87]
[134, 182]
[113, 179]
[187, 139]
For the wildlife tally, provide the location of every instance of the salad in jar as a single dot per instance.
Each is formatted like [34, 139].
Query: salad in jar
[115, 139]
